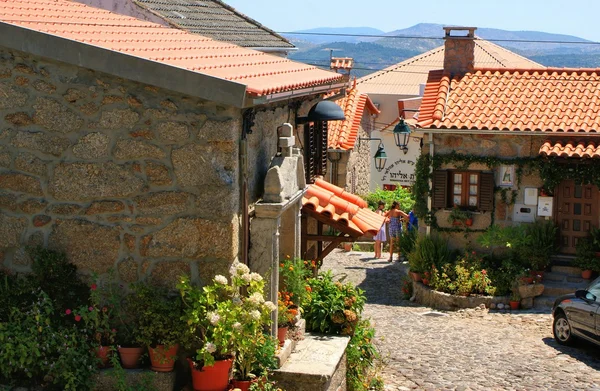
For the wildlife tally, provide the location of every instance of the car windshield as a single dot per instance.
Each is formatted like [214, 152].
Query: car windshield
[594, 288]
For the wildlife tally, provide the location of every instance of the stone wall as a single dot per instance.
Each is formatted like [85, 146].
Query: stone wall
[503, 146]
[117, 174]
[358, 171]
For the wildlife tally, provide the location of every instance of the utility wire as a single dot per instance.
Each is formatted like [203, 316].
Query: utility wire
[441, 38]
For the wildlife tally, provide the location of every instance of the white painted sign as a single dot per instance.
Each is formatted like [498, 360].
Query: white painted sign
[399, 169]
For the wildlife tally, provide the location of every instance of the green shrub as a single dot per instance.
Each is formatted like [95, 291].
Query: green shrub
[406, 241]
[402, 195]
[429, 251]
[333, 307]
[464, 277]
[585, 255]
[504, 272]
[362, 357]
[538, 244]
[293, 274]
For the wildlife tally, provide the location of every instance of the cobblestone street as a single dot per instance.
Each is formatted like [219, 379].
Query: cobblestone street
[463, 350]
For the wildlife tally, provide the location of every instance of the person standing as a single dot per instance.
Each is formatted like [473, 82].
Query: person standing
[395, 215]
[413, 221]
[380, 237]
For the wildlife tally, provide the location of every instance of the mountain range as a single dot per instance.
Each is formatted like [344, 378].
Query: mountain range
[373, 49]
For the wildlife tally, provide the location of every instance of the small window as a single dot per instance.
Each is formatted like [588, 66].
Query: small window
[468, 189]
[465, 189]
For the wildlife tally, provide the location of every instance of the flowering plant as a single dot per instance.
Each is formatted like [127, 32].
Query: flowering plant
[96, 318]
[293, 275]
[286, 313]
[222, 321]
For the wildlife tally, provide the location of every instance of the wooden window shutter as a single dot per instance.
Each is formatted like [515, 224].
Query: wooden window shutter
[486, 191]
[439, 191]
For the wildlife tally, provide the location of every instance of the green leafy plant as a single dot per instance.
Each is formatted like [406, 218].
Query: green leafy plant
[264, 385]
[458, 215]
[585, 255]
[145, 382]
[293, 274]
[464, 277]
[158, 316]
[333, 307]
[400, 194]
[266, 347]
[406, 241]
[362, 357]
[538, 244]
[407, 287]
[429, 251]
[96, 317]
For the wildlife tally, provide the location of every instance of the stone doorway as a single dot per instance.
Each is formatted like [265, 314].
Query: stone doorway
[577, 213]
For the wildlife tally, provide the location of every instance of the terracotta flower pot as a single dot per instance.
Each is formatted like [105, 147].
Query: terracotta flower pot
[213, 378]
[514, 305]
[425, 281]
[161, 359]
[586, 274]
[103, 353]
[130, 357]
[281, 333]
[243, 385]
[415, 276]
[469, 222]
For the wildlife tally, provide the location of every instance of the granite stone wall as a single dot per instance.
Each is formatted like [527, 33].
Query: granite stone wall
[503, 146]
[117, 174]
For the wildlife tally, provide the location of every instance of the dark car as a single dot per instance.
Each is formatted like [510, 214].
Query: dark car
[578, 315]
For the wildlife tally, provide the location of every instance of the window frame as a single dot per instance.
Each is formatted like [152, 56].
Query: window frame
[466, 188]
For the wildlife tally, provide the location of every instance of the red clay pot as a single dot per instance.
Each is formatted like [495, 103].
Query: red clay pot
[130, 357]
[243, 385]
[514, 305]
[281, 333]
[213, 378]
[103, 353]
[586, 274]
[469, 222]
[162, 360]
[415, 276]
[527, 280]
[425, 281]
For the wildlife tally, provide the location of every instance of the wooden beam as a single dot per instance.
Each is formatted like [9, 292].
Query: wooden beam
[329, 238]
[319, 232]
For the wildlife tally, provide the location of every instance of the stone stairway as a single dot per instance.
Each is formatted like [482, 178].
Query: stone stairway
[561, 280]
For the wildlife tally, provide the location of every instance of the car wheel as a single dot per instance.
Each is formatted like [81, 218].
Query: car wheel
[562, 329]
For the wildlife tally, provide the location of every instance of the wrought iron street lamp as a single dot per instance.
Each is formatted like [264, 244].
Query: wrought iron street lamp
[402, 135]
[380, 155]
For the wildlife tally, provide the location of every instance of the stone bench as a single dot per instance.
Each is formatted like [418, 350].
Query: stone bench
[318, 363]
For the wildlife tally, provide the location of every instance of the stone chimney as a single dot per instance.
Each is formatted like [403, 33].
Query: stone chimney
[459, 49]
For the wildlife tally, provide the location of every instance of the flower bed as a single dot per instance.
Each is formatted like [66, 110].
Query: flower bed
[426, 296]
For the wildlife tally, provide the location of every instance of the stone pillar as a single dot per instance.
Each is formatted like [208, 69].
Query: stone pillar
[459, 49]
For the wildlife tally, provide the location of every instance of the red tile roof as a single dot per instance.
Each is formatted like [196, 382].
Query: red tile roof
[262, 73]
[547, 100]
[573, 149]
[343, 134]
[344, 208]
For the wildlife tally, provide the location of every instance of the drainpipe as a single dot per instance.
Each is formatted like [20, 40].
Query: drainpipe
[431, 153]
[247, 123]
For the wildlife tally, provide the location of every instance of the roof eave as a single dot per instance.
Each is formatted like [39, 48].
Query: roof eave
[286, 95]
[122, 65]
[509, 132]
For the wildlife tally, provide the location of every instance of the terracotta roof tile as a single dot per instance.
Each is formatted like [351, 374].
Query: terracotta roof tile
[406, 77]
[343, 134]
[542, 100]
[347, 209]
[261, 73]
[571, 149]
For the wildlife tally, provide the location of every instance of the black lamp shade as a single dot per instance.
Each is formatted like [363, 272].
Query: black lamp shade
[325, 110]
[380, 159]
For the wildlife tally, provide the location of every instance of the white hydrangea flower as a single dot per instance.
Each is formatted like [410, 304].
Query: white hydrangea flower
[242, 269]
[256, 277]
[211, 347]
[213, 317]
[246, 277]
[237, 325]
[221, 279]
[255, 314]
[256, 298]
[270, 306]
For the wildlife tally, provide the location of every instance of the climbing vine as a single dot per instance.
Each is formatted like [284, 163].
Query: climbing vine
[552, 171]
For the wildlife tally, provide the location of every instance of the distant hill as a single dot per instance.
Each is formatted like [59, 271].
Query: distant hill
[374, 53]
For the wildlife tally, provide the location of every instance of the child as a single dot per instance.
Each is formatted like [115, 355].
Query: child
[380, 237]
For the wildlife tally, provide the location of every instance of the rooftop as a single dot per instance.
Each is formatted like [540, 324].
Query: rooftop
[261, 73]
[406, 77]
[558, 100]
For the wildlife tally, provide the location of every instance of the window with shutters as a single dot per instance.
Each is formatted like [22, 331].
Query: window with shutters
[468, 189]
[315, 150]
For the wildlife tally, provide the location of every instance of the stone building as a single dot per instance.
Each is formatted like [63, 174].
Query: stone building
[144, 148]
[350, 158]
[508, 137]
[397, 92]
[208, 18]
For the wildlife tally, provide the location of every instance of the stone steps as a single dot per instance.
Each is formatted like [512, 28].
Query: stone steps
[317, 364]
[561, 288]
[561, 280]
[569, 270]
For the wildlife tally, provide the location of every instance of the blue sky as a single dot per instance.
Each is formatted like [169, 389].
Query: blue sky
[579, 18]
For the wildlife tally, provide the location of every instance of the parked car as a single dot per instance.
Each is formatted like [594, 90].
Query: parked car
[577, 315]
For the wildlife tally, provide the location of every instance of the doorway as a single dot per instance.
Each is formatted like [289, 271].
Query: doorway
[577, 213]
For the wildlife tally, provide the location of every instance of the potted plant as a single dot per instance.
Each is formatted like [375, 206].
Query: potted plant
[515, 301]
[460, 216]
[159, 326]
[536, 244]
[286, 316]
[222, 322]
[263, 359]
[585, 257]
